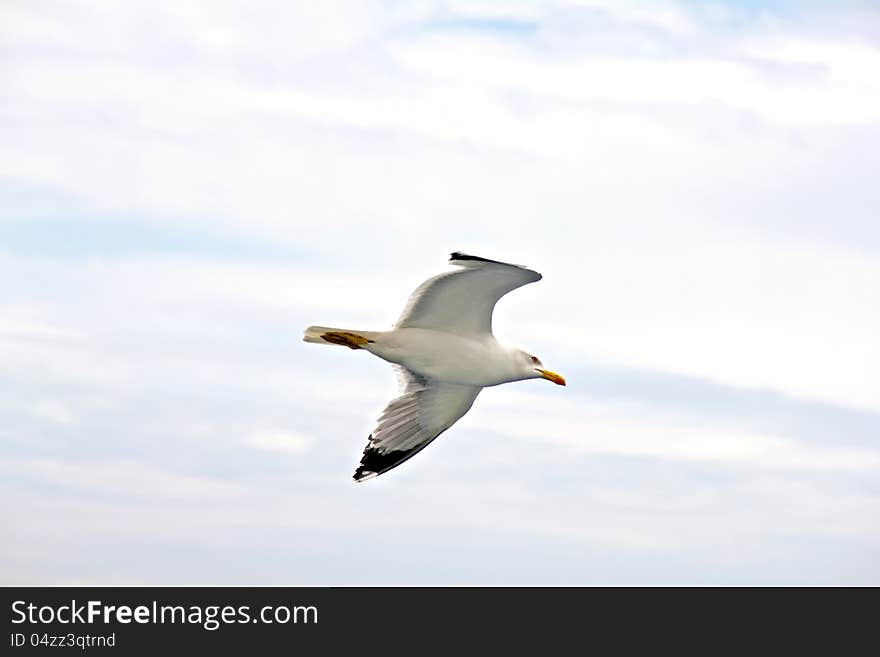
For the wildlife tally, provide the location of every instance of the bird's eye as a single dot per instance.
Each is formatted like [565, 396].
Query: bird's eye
[535, 360]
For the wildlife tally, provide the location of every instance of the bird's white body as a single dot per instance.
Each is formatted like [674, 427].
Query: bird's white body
[447, 357]
[445, 354]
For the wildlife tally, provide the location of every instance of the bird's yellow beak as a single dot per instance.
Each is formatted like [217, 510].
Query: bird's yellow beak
[552, 376]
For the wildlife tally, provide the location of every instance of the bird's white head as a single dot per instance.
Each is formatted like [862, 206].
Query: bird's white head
[533, 368]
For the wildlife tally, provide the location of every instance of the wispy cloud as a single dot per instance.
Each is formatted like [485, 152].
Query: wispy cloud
[279, 441]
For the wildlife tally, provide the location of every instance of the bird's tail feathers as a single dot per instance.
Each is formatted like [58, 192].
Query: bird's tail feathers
[342, 337]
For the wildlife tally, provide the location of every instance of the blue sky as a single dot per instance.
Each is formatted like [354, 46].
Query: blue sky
[187, 188]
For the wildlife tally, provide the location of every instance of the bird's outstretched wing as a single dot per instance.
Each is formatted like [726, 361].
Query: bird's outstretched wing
[462, 301]
[423, 411]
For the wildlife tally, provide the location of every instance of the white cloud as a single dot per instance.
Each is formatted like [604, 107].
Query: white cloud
[17, 328]
[120, 478]
[626, 430]
[279, 441]
[54, 411]
[798, 319]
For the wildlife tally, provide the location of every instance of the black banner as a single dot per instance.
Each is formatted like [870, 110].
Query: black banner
[130, 621]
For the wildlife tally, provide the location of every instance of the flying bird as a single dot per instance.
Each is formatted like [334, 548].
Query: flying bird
[444, 352]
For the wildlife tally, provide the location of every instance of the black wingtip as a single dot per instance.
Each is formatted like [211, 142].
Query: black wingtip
[364, 471]
[458, 255]
[374, 462]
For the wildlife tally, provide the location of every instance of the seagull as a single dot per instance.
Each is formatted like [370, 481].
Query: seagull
[444, 353]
